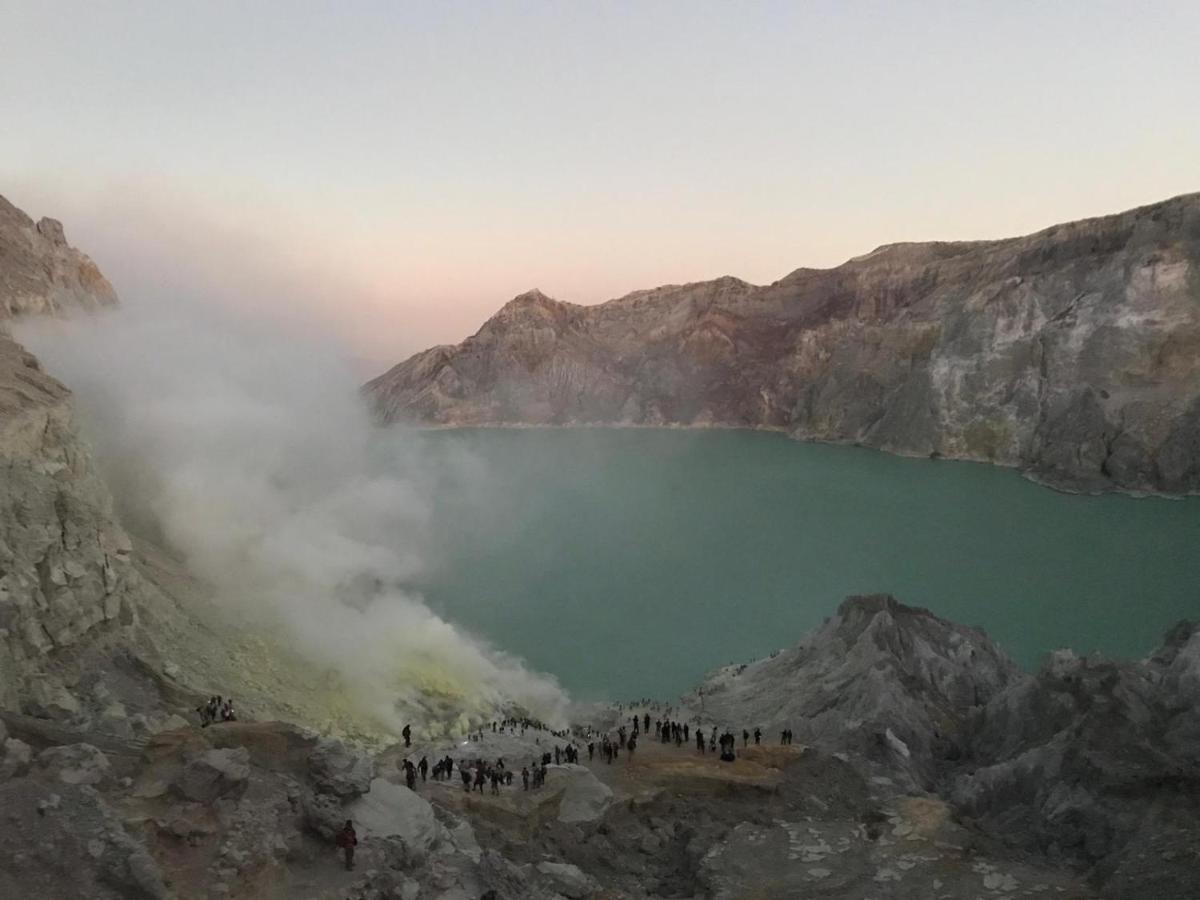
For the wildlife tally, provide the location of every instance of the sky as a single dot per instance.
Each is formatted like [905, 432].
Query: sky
[388, 173]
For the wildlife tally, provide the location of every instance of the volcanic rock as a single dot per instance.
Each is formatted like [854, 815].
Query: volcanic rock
[1072, 354]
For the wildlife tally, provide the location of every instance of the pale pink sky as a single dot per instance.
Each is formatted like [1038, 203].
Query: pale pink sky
[392, 173]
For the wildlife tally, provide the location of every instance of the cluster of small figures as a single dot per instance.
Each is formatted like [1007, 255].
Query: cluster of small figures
[679, 733]
[216, 709]
[478, 774]
[514, 726]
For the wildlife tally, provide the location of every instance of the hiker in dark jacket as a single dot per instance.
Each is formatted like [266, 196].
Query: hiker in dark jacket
[347, 839]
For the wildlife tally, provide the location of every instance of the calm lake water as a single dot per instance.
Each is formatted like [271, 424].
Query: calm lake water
[630, 562]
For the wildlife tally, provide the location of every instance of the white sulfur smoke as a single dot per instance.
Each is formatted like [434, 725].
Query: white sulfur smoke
[251, 453]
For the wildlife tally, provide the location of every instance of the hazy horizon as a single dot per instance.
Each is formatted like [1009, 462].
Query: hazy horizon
[389, 175]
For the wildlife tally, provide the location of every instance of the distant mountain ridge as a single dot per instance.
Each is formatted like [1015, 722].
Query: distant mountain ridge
[1072, 353]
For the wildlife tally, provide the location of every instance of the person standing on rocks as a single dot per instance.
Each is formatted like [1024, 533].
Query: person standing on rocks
[525, 777]
[406, 733]
[700, 739]
[347, 839]
[757, 736]
[423, 765]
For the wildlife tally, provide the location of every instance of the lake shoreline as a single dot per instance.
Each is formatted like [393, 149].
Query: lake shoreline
[772, 429]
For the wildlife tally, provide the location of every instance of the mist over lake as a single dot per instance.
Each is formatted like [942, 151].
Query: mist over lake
[630, 562]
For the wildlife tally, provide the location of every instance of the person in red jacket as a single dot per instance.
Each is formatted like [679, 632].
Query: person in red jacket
[347, 839]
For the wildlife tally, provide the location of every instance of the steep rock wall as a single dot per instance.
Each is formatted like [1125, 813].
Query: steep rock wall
[1072, 353]
[65, 567]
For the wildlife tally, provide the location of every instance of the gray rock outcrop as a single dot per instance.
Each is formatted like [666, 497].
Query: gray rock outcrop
[568, 880]
[391, 810]
[585, 798]
[76, 763]
[340, 770]
[65, 567]
[1072, 353]
[1099, 761]
[40, 273]
[889, 682]
[1090, 761]
[213, 774]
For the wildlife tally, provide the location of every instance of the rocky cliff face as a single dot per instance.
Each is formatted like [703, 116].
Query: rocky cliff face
[40, 273]
[1072, 353]
[65, 567]
[1088, 761]
[887, 681]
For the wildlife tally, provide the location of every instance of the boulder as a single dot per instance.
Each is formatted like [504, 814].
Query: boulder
[48, 701]
[389, 810]
[15, 759]
[324, 815]
[568, 880]
[338, 769]
[75, 763]
[460, 834]
[213, 774]
[585, 799]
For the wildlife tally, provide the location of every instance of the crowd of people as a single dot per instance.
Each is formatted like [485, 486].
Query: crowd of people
[216, 709]
[479, 775]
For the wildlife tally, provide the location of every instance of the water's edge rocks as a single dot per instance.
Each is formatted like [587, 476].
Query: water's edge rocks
[1072, 354]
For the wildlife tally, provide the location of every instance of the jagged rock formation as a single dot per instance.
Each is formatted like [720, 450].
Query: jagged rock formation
[40, 273]
[889, 682]
[100, 630]
[1072, 353]
[65, 562]
[1091, 761]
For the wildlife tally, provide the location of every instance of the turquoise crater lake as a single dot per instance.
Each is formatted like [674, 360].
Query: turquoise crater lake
[628, 562]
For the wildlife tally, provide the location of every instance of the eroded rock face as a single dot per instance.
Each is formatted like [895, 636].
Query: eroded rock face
[213, 774]
[1073, 353]
[889, 682]
[65, 569]
[75, 763]
[1098, 760]
[40, 273]
[390, 810]
[340, 770]
[65, 560]
[585, 798]
[1090, 761]
[567, 879]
